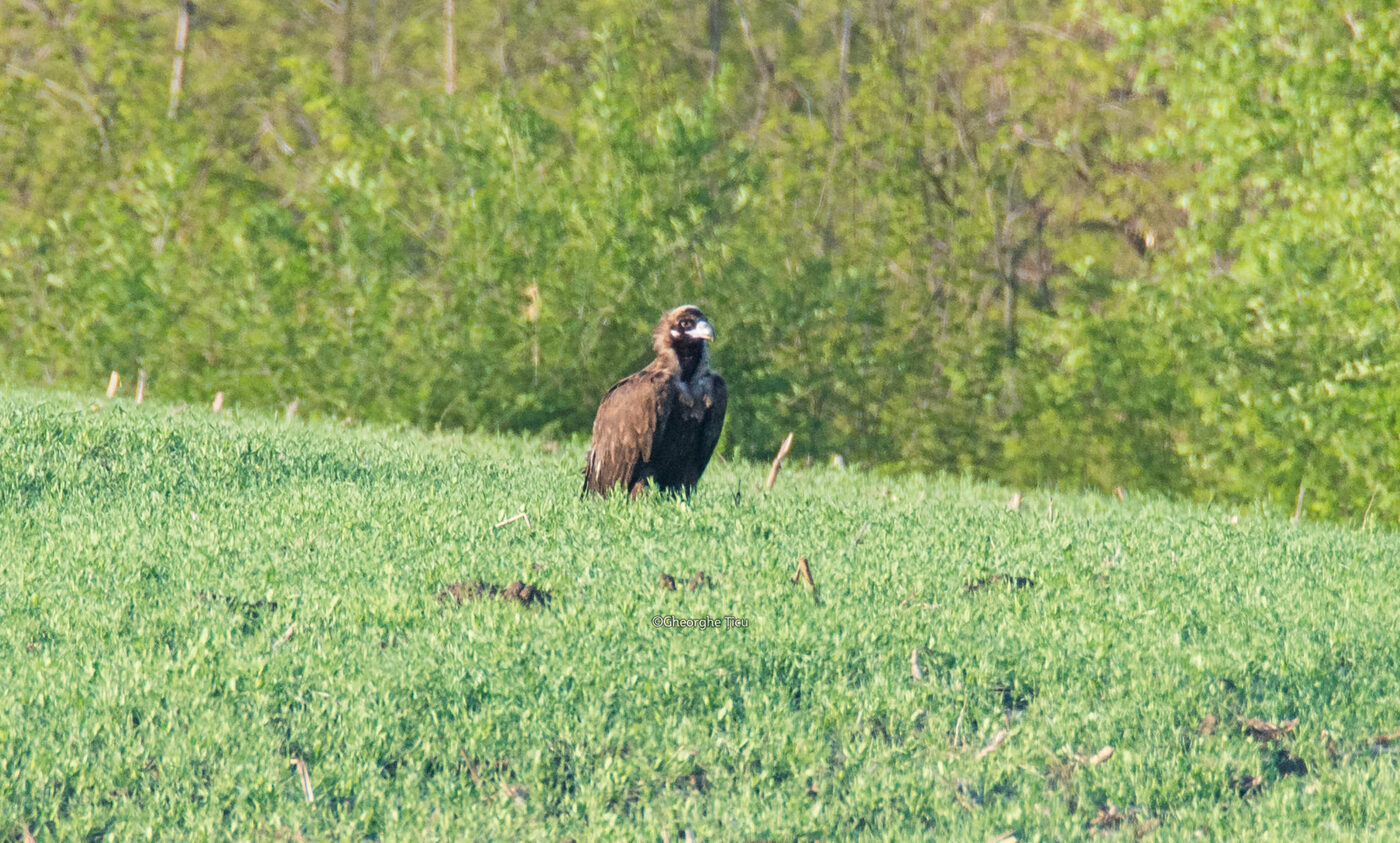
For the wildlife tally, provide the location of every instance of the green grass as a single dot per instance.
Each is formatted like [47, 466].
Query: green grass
[134, 702]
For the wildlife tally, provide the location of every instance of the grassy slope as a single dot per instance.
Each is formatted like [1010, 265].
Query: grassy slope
[131, 702]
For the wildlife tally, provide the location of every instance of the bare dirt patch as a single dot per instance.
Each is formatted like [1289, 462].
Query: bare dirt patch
[697, 582]
[1270, 737]
[1107, 818]
[517, 592]
[252, 608]
[999, 579]
[1289, 764]
[1384, 741]
[1247, 786]
[1014, 697]
[696, 780]
[1266, 732]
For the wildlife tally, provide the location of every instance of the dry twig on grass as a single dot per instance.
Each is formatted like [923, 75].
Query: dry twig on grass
[778, 462]
[512, 520]
[1098, 757]
[804, 572]
[285, 637]
[992, 744]
[860, 534]
[305, 780]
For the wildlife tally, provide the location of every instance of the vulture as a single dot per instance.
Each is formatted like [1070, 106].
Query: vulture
[662, 422]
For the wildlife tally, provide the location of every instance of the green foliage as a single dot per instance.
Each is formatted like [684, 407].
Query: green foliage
[1141, 244]
[441, 269]
[193, 601]
[1279, 306]
[886, 214]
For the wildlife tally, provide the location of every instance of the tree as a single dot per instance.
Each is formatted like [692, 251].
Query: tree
[1279, 305]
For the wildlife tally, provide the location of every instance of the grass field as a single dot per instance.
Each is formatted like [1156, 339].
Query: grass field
[196, 608]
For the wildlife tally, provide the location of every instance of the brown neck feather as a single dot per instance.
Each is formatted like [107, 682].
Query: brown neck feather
[683, 360]
[690, 356]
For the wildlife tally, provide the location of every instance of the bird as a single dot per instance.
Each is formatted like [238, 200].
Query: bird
[661, 423]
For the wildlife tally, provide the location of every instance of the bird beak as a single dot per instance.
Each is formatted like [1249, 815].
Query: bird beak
[702, 331]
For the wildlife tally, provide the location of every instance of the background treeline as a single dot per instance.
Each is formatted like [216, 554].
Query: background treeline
[1149, 244]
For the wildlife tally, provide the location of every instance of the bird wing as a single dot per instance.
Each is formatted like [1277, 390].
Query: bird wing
[709, 429]
[630, 421]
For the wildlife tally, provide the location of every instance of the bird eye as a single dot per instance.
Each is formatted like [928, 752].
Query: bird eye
[687, 324]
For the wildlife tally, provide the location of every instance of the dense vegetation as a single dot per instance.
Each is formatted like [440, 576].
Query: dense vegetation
[196, 606]
[1138, 243]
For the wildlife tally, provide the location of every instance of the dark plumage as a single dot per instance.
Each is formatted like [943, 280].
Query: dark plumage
[662, 422]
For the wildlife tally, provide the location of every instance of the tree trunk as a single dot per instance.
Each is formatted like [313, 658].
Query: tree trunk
[177, 72]
[715, 27]
[345, 43]
[449, 53]
[1008, 315]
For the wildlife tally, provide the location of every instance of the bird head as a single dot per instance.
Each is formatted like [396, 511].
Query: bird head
[683, 329]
